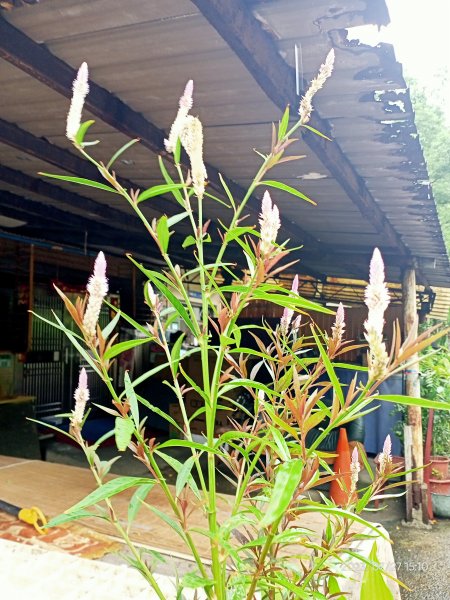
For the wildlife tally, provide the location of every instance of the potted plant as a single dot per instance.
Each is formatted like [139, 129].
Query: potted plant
[269, 461]
[435, 385]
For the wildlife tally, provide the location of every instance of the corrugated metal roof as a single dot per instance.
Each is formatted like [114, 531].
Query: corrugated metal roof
[144, 51]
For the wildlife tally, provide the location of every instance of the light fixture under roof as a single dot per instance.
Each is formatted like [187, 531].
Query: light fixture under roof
[312, 175]
[10, 223]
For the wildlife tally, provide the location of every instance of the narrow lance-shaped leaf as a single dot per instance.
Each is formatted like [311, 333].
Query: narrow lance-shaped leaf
[109, 489]
[373, 584]
[287, 478]
[132, 399]
[288, 189]
[82, 181]
[123, 431]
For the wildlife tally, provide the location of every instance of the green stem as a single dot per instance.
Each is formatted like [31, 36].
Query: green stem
[115, 521]
[262, 557]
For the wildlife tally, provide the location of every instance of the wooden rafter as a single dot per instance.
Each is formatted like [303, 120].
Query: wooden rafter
[36, 60]
[68, 198]
[16, 137]
[237, 25]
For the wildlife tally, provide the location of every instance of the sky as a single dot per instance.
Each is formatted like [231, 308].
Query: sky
[420, 33]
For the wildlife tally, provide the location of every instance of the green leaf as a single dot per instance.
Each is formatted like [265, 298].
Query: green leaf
[189, 444]
[287, 301]
[162, 231]
[333, 588]
[158, 190]
[189, 241]
[184, 475]
[193, 581]
[106, 332]
[178, 467]
[287, 188]
[373, 584]
[132, 399]
[120, 151]
[177, 218]
[177, 153]
[122, 346]
[317, 132]
[173, 300]
[136, 501]
[123, 430]
[73, 516]
[280, 442]
[168, 179]
[175, 354]
[164, 517]
[82, 130]
[410, 401]
[159, 412]
[283, 124]
[129, 320]
[287, 478]
[337, 389]
[82, 181]
[84, 353]
[237, 232]
[109, 489]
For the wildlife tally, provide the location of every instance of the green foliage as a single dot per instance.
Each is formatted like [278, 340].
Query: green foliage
[261, 546]
[434, 134]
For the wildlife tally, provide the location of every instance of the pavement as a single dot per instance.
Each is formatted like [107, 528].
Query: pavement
[422, 556]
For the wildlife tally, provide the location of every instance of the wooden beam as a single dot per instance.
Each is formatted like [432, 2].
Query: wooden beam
[36, 60]
[256, 49]
[412, 388]
[16, 137]
[54, 224]
[103, 212]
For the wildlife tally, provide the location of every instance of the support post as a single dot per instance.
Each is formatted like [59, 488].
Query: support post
[412, 388]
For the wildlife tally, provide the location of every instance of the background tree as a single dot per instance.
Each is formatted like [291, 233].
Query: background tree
[434, 133]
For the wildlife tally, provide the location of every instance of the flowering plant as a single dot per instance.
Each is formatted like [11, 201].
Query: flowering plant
[260, 546]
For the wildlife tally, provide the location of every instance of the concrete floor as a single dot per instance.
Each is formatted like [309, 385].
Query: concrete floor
[422, 556]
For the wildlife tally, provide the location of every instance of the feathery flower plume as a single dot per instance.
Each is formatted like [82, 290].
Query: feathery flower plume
[385, 458]
[355, 468]
[270, 224]
[377, 300]
[80, 91]
[305, 108]
[296, 324]
[288, 313]
[191, 137]
[81, 396]
[97, 288]
[185, 106]
[338, 328]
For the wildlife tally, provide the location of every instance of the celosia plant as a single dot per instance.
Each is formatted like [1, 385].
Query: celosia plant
[261, 547]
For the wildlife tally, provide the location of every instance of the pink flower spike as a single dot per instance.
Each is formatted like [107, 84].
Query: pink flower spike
[269, 223]
[387, 446]
[186, 100]
[376, 268]
[100, 265]
[81, 396]
[355, 456]
[340, 314]
[295, 285]
[80, 91]
[82, 380]
[98, 288]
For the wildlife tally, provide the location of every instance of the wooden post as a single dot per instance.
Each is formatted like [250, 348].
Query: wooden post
[412, 388]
